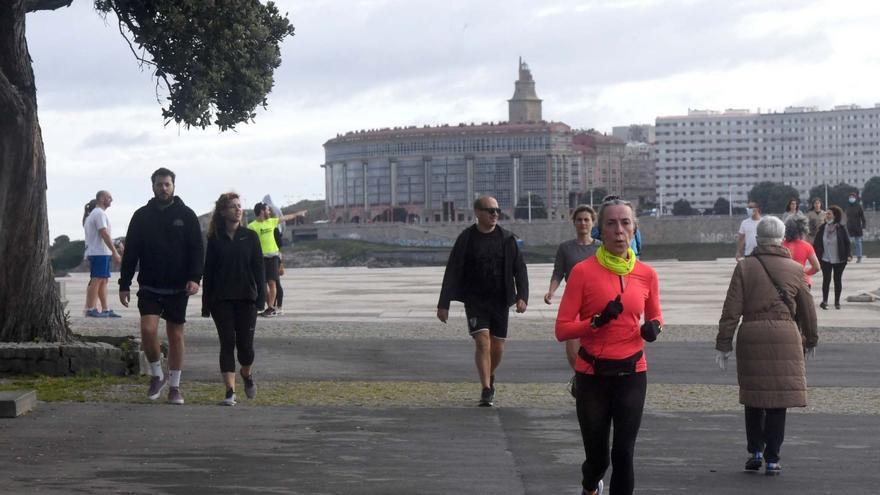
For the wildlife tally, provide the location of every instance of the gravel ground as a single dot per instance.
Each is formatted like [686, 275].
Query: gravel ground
[430, 330]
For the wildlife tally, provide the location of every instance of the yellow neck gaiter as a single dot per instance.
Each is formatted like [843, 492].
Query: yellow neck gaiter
[615, 264]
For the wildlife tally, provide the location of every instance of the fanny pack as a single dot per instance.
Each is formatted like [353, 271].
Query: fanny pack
[611, 367]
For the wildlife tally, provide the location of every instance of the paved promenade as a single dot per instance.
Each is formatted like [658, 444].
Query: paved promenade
[347, 330]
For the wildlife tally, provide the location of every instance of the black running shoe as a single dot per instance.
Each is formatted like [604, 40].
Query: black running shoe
[250, 388]
[754, 462]
[773, 469]
[487, 398]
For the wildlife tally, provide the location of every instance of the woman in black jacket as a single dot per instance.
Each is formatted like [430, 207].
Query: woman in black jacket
[832, 247]
[234, 288]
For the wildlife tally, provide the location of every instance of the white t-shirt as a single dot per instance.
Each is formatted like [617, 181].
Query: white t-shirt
[96, 221]
[749, 228]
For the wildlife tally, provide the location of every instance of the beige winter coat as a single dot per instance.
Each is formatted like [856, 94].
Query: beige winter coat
[769, 344]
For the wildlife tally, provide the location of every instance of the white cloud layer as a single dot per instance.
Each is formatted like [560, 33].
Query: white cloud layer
[368, 64]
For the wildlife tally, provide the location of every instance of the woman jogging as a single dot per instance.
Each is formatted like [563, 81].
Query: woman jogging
[603, 304]
[569, 254]
[234, 288]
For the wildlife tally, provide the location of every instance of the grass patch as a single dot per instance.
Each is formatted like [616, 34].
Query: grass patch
[389, 394]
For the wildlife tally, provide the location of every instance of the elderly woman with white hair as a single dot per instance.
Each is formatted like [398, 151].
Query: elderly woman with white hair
[769, 293]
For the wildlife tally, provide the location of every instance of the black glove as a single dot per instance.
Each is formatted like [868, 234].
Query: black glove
[611, 312]
[650, 330]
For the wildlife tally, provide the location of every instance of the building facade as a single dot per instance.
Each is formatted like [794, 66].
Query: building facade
[638, 169]
[706, 154]
[596, 165]
[433, 174]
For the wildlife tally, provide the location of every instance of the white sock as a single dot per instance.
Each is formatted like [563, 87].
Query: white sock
[156, 369]
[175, 378]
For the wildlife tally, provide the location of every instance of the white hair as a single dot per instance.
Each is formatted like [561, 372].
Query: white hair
[771, 230]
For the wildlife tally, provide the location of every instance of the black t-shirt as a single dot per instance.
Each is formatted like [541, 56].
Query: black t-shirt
[484, 268]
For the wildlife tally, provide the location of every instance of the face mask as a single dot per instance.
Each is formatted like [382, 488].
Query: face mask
[829, 220]
[852, 200]
[749, 211]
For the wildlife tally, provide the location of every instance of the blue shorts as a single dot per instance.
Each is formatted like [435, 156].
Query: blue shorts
[100, 266]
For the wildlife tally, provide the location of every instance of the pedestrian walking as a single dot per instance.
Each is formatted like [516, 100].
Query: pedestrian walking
[164, 243]
[815, 217]
[605, 299]
[100, 251]
[487, 273]
[833, 248]
[801, 251]
[745, 239]
[569, 254]
[234, 288]
[792, 211]
[770, 311]
[855, 224]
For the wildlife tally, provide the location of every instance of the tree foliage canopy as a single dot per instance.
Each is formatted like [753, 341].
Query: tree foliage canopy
[837, 195]
[522, 207]
[871, 192]
[682, 207]
[721, 207]
[773, 196]
[215, 57]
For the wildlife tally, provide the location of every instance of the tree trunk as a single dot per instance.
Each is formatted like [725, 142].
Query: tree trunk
[30, 307]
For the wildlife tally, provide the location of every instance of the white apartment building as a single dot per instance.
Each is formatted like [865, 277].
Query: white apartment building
[707, 154]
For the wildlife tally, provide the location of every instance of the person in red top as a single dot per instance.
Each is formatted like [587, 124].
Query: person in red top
[801, 251]
[604, 301]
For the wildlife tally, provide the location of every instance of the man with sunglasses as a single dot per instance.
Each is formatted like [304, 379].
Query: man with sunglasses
[487, 273]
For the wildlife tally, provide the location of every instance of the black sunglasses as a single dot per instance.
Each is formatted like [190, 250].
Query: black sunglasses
[491, 211]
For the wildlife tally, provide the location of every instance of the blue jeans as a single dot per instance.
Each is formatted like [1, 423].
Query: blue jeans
[857, 246]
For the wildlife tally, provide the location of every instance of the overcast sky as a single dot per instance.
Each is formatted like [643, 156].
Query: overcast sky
[376, 63]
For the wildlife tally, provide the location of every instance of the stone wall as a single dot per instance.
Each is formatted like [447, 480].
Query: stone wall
[663, 230]
[62, 359]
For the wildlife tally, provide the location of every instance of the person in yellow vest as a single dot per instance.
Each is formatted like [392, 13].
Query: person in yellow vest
[264, 225]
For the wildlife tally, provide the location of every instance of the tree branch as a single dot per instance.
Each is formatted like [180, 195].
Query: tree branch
[35, 5]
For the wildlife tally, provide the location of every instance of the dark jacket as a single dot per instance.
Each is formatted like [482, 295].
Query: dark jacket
[166, 243]
[234, 269]
[855, 220]
[516, 280]
[843, 243]
[769, 342]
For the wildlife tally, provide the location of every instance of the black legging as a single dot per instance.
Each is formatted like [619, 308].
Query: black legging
[279, 293]
[235, 321]
[827, 269]
[765, 430]
[601, 402]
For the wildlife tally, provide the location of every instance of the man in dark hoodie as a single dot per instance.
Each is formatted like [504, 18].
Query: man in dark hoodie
[487, 273]
[165, 240]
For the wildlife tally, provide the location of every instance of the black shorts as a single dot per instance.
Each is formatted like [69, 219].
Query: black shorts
[271, 263]
[169, 307]
[482, 317]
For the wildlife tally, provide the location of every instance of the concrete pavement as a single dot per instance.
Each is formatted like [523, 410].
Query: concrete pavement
[378, 326]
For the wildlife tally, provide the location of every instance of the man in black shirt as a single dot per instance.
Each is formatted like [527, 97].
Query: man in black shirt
[487, 273]
[164, 243]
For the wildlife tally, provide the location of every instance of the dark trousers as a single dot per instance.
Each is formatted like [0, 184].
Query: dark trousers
[603, 401]
[235, 322]
[765, 430]
[827, 270]
[279, 293]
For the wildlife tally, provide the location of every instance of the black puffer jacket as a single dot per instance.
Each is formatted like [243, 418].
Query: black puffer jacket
[516, 278]
[166, 244]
